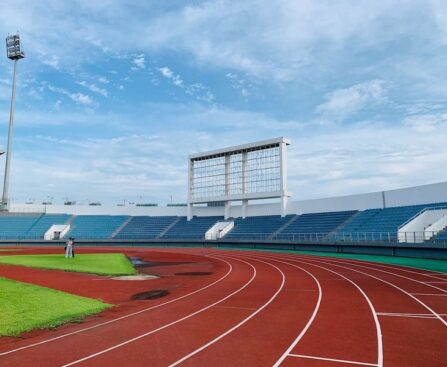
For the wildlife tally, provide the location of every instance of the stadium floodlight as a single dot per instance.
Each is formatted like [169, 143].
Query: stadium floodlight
[14, 48]
[253, 171]
[13, 52]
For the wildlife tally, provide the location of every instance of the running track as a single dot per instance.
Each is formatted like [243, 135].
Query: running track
[253, 309]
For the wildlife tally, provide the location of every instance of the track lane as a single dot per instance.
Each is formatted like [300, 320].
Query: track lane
[420, 278]
[194, 332]
[82, 328]
[262, 339]
[407, 341]
[92, 339]
[105, 357]
[355, 332]
[393, 284]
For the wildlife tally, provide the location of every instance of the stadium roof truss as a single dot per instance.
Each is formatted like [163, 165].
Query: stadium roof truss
[246, 172]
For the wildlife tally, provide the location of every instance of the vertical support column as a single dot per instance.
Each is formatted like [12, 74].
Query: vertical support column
[284, 201]
[227, 209]
[189, 211]
[190, 188]
[227, 186]
[283, 177]
[5, 197]
[244, 184]
[244, 208]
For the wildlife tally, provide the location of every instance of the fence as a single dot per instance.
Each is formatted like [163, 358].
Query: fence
[415, 238]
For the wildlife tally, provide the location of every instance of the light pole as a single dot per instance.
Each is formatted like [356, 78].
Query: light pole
[15, 53]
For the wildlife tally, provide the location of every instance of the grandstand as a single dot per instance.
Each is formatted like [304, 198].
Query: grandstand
[370, 225]
[143, 227]
[258, 227]
[221, 183]
[95, 226]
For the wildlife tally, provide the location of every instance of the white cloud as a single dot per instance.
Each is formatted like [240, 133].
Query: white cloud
[94, 88]
[427, 122]
[103, 80]
[196, 90]
[139, 61]
[52, 61]
[200, 92]
[239, 84]
[79, 98]
[82, 99]
[169, 74]
[344, 102]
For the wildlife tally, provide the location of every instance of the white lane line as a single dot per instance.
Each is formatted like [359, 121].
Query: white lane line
[230, 269]
[333, 360]
[237, 308]
[429, 294]
[198, 350]
[436, 282]
[338, 261]
[390, 284]
[417, 315]
[312, 317]
[440, 274]
[371, 306]
[399, 267]
[116, 346]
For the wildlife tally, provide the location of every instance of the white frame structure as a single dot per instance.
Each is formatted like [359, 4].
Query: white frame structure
[246, 172]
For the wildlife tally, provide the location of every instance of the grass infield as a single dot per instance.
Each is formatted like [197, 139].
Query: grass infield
[101, 264]
[24, 307]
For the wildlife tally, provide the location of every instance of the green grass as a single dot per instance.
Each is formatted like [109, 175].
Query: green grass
[427, 264]
[24, 307]
[101, 264]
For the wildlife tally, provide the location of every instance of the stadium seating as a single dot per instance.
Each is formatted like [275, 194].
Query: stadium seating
[195, 228]
[376, 224]
[367, 225]
[38, 229]
[14, 226]
[441, 236]
[307, 225]
[259, 227]
[141, 227]
[95, 226]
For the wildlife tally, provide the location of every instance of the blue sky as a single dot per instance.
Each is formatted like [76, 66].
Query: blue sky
[113, 95]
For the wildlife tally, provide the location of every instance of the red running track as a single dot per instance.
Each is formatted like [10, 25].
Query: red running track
[248, 309]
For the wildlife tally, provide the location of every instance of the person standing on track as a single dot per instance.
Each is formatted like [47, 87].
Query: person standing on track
[69, 248]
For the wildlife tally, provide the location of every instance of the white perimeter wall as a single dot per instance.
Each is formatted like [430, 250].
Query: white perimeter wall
[425, 194]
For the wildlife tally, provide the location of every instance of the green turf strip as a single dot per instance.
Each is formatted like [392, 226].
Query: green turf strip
[427, 264]
[101, 264]
[24, 307]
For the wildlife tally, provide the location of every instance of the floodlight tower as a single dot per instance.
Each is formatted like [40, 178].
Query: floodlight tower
[14, 52]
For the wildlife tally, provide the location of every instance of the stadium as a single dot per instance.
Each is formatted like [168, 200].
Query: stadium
[241, 272]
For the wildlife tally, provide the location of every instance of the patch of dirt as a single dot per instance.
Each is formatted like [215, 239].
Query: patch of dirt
[136, 277]
[138, 262]
[159, 293]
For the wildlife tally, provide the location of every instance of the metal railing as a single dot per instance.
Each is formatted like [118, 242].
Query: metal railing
[414, 238]
[441, 207]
